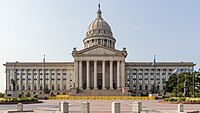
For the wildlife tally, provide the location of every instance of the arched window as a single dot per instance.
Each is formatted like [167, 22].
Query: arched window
[40, 87]
[134, 87]
[29, 87]
[23, 87]
[158, 87]
[146, 87]
[35, 88]
[64, 87]
[140, 87]
[52, 87]
[58, 87]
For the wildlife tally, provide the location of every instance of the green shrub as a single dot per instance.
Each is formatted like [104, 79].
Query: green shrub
[35, 96]
[181, 99]
[166, 99]
[28, 94]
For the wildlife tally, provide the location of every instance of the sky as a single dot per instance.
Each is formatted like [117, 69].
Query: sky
[169, 29]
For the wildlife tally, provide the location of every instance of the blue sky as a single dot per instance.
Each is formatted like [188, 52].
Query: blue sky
[170, 29]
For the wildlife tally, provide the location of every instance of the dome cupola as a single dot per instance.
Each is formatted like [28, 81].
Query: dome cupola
[99, 32]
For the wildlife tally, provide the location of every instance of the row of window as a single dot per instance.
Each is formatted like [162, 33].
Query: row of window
[149, 70]
[146, 87]
[47, 81]
[146, 76]
[41, 87]
[146, 81]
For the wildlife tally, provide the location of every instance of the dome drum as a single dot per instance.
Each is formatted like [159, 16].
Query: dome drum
[99, 41]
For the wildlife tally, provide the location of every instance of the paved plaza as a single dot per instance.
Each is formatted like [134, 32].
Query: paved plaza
[101, 106]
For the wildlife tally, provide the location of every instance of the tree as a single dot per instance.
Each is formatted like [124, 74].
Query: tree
[1, 95]
[28, 94]
[175, 83]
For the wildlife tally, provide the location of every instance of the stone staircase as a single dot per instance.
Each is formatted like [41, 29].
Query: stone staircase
[110, 92]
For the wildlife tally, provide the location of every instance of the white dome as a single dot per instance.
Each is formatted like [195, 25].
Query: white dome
[99, 29]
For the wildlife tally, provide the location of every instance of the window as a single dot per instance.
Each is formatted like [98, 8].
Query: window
[146, 81]
[41, 81]
[64, 87]
[140, 88]
[134, 87]
[58, 87]
[23, 87]
[29, 87]
[146, 77]
[134, 71]
[35, 81]
[40, 87]
[146, 87]
[140, 81]
[35, 88]
[127, 76]
[140, 71]
[52, 87]
[134, 81]
[35, 76]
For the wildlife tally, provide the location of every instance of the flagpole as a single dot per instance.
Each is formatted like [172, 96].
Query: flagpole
[44, 77]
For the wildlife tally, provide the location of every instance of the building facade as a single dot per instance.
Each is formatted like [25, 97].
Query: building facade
[98, 66]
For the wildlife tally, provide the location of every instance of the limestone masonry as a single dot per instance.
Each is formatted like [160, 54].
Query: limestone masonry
[97, 67]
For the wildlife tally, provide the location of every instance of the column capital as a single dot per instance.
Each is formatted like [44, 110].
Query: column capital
[103, 60]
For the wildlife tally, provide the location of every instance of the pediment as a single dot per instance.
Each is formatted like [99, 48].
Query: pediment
[99, 51]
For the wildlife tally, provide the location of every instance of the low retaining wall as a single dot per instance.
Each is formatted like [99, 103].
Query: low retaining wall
[66, 97]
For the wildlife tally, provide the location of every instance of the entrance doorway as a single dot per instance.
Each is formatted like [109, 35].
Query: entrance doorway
[99, 80]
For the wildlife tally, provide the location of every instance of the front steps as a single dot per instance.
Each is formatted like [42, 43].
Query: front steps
[103, 92]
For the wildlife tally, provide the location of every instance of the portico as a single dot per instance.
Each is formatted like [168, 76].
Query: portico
[99, 74]
[94, 70]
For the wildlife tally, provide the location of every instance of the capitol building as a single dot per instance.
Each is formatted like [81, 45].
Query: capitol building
[98, 69]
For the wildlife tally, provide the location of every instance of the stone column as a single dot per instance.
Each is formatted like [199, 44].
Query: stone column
[161, 85]
[7, 79]
[20, 80]
[111, 74]
[122, 73]
[143, 77]
[26, 79]
[118, 75]
[76, 72]
[55, 80]
[103, 74]
[80, 75]
[38, 79]
[50, 80]
[88, 75]
[32, 79]
[95, 74]
[61, 79]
